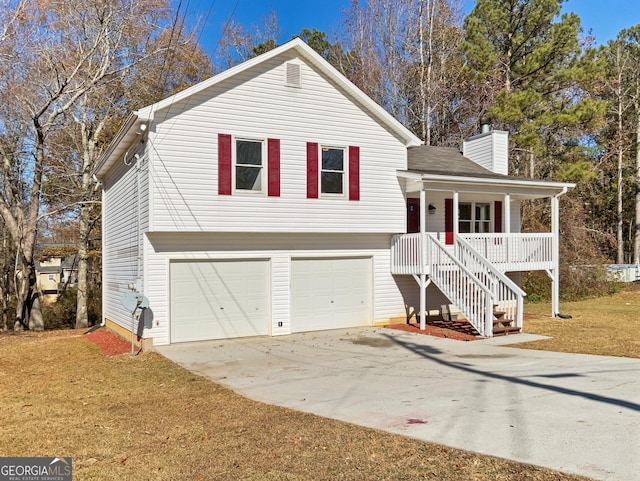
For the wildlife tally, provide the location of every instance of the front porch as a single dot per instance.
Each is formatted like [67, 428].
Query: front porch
[463, 236]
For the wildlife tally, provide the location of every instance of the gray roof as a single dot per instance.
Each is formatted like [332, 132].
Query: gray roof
[425, 159]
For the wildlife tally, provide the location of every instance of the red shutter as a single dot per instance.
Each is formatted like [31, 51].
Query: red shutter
[224, 164]
[448, 221]
[354, 173]
[273, 160]
[312, 170]
[497, 216]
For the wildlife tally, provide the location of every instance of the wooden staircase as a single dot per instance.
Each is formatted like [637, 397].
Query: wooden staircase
[503, 326]
[454, 319]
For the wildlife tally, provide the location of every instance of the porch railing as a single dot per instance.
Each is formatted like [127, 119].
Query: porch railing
[507, 252]
[407, 254]
[506, 294]
[514, 252]
[468, 280]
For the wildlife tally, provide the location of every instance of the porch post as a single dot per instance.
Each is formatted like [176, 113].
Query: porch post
[455, 214]
[506, 228]
[555, 278]
[506, 224]
[423, 253]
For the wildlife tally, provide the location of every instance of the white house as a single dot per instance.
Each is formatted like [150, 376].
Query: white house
[276, 197]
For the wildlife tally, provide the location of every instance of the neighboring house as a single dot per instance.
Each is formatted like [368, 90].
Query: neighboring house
[276, 198]
[54, 275]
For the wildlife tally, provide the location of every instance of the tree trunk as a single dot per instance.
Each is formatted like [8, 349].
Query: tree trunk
[82, 311]
[28, 309]
[620, 236]
[36, 321]
[636, 239]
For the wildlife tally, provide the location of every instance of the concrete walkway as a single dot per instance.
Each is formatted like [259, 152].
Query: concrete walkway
[570, 412]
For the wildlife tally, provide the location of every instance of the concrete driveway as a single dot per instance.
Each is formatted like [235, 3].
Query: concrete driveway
[571, 412]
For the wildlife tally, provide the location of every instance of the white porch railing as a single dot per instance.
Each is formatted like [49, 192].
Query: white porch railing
[506, 294]
[406, 254]
[514, 252]
[468, 280]
[460, 285]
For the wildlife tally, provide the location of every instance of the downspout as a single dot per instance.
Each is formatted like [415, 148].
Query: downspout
[423, 253]
[104, 318]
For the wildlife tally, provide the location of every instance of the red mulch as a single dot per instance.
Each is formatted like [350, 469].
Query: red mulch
[108, 342]
[451, 330]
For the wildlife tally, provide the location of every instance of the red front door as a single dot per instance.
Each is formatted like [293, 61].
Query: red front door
[448, 221]
[413, 215]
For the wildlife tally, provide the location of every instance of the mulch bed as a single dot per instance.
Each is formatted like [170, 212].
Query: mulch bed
[108, 342]
[459, 331]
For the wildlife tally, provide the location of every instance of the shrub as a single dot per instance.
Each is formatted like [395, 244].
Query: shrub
[62, 313]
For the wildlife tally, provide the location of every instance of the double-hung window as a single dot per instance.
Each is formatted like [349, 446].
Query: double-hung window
[474, 217]
[332, 171]
[249, 165]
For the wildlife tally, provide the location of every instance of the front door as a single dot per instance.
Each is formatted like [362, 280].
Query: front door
[413, 215]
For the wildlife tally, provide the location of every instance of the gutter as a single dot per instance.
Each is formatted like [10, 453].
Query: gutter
[122, 132]
[485, 181]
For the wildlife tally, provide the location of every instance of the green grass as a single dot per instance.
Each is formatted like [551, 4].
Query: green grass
[607, 326]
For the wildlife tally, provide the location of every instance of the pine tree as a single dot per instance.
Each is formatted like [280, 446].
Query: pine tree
[528, 64]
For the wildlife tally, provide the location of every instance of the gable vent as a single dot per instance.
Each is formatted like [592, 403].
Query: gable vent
[293, 74]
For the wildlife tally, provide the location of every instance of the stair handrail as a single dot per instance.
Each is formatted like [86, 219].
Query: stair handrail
[462, 242]
[461, 245]
[481, 319]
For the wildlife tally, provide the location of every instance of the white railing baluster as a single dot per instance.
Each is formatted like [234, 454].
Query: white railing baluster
[506, 294]
[460, 285]
[472, 277]
[514, 252]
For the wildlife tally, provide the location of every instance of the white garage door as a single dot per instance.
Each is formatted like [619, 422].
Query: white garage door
[330, 293]
[219, 300]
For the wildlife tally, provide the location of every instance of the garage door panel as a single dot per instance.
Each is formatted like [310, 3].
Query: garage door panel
[219, 299]
[330, 293]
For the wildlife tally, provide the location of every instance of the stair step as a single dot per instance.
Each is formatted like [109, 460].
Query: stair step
[504, 331]
[499, 314]
[506, 322]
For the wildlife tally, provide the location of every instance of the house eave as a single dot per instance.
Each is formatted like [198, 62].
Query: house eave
[509, 185]
[130, 131]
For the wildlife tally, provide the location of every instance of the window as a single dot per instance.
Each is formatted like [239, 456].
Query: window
[249, 165]
[332, 172]
[52, 277]
[474, 217]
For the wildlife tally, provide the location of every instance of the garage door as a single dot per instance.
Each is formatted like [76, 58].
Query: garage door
[330, 293]
[219, 300]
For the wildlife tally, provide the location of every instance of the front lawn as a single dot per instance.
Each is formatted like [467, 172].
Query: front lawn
[605, 325]
[145, 418]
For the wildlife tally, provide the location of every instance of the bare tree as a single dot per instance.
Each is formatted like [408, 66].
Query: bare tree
[406, 54]
[238, 44]
[58, 54]
[158, 65]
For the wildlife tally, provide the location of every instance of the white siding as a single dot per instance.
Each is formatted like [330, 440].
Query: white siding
[515, 217]
[125, 195]
[257, 104]
[490, 150]
[279, 249]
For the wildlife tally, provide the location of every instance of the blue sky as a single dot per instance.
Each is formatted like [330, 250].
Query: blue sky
[605, 17]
